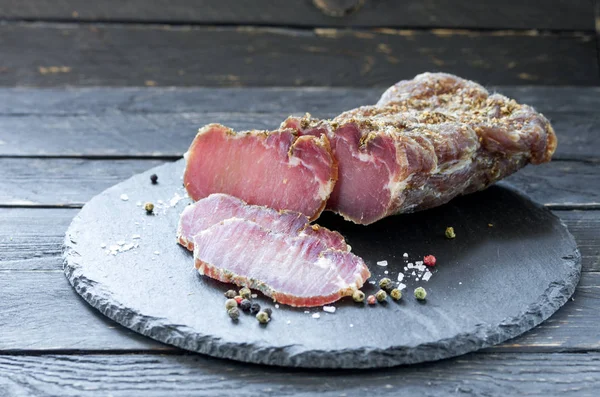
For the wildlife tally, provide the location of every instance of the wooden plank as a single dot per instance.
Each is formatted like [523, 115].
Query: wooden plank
[162, 122]
[51, 317]
[31, 239]
[491, 375]
[57, 181]
[555, 14]
[53, 54]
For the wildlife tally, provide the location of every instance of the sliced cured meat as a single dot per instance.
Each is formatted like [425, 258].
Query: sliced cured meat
[219, 207]
[293, 270]
[277, 169]
[426, 141]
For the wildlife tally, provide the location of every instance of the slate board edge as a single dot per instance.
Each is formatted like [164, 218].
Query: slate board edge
[481, 336]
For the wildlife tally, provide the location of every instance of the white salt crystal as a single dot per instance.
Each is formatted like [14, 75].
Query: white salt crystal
[418, 263]
[121, 242]
[254, 296]
[316, 315]
[138, 203]
[410, 265]
[126, 247]
[400, 276]
[276, 306]
[288, 322]
[156, 253]
[124, 197]
[382, 263]
[136, 236]
[427, 276]
[460, 282]
[421, 268]
[102, 245]
[413, 273]
[371, 282]
[160, 202]
[401, 286]
[113, 247]
[176, 198]
[405, 268]
[351, 325]
[386, 272]
[329, 309]
[405, 255]
[306, 312]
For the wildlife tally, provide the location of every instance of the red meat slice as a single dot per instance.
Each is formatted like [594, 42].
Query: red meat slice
[219, 207]
[277, 169]
[293, 270]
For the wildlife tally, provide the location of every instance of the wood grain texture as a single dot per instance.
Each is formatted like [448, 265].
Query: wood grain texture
[54, 54]
[56, 181]
[162, 121]
[555, 14]
[151, 375]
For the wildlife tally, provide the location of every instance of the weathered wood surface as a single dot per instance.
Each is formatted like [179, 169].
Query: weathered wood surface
[57, 181]
[150, 375]
[555, 14]
[161, 122]
[58, 54]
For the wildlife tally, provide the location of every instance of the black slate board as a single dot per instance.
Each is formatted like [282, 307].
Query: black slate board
[491, 283]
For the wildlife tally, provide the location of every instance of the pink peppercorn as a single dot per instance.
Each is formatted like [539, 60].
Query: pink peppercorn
[238, 299]
[429, 260]
[371, 300]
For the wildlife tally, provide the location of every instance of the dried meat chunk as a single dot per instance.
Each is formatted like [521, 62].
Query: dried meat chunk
[218, 207]
[293, 270]
[277, 169]
[427, 141]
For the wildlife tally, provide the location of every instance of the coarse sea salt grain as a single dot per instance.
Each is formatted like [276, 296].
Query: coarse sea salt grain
[156, 253]
[121, 242]
[288, 322]
[382, 263]
[124, 197]
[306, 312]
[316, 315]
[371, 282]
[102, 245]
[400, 276]
[418, 263]
[401, 286]
[276, 306]
[386, 272]
[427, 276]
[329, 309]
[405, 255]
[138, 203]
[413, 273]
[136, 236]
[410, 265]
[351, 325]
[126, 247]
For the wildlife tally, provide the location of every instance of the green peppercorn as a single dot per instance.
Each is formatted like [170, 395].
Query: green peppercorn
[263, 317]
[230, 294]
[245, 305]
[381, 295]
[269, 311]
[254, 308]
[420, 293]
[229, 303]
[450, 232]
[234, 313]
[385, 284]
[149, 207]
[396, 294]
[245, 293]
[358, 296]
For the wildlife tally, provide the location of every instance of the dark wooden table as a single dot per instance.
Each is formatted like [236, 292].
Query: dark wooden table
[59, 147]
[74, 121]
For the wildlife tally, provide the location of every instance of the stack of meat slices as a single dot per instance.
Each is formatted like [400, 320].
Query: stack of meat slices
[425, 142]
[276, 252]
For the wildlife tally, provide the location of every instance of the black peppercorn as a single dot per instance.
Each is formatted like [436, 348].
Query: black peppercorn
[254, 308]
[245, 305]
[154, 179]
[269, 311]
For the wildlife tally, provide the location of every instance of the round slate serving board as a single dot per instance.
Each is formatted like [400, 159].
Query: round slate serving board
[511, 265]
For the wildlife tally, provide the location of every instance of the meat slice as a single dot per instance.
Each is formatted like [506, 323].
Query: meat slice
[219, 207]
[426, 141]
[277, 169]
[293, 270]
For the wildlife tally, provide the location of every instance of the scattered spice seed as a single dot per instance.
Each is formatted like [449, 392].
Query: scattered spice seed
[245, 305]
[396, 294]
[234, 313]
[229, 303]
[254, 308]
[245, 293]
[269, 311]
[263, 317]
[238, 299]
[149, 207]
[450, 232]
[358, 296]
[371, 300]
[490, 225]
[154, 179]
[230, 294]
[420, 293]
[381, 295]
[429, 260]
[385, 284]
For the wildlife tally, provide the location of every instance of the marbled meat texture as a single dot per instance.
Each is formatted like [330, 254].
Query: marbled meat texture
[277, 253]
[219, 207]
[425, 142]
[278, 169]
